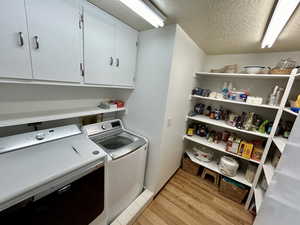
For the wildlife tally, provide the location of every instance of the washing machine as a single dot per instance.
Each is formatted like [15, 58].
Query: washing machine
[127, 153]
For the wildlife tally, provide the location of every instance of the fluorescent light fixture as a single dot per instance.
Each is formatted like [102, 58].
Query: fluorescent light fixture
[282, 13]
[143, 10]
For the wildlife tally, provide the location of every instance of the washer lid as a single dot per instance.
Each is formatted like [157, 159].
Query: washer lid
[28, 168]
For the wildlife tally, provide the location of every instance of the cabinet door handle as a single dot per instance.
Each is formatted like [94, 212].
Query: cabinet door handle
[111, 61]
[37, 42]
[21, 39]
[118, 62]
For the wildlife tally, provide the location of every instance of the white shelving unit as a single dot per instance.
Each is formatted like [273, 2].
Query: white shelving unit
[259, 195]
[244, 75]
[280, 143]
[235, 102]
[222, 123]
[269, 171]
[213, 165]
[288, 110]
[42, 116]
[219, 147]
[264, 165]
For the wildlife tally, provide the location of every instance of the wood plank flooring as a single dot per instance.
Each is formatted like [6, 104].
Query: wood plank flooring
[188, 200]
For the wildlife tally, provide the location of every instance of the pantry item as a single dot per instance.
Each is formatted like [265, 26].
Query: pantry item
[262, 127]
[213, 94]
[203, 131]
[218, 137]
[254, 69]
[272, 97]
[233, 144]
[226, 69]
[189, 166]
[245, 149]
[279, 95]
[231, 68]
[275, 159]
[228, 166]
[203, 154]
[285, 66]
[199, 108]
[225, 136]
[250, 173]
[257, 153]
[190, 131]
[248, 125]
[233, 190]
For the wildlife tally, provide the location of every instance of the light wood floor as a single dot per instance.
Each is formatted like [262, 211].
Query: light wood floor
[188, 200]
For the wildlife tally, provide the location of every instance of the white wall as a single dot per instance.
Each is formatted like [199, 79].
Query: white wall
[24, 98]
[188, 58]
[147, 104]
[263, 59]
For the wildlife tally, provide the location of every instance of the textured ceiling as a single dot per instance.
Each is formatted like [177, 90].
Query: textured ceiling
[217, 26]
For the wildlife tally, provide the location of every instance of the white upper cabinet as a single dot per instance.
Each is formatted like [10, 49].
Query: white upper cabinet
[126, 53]
[109, 49]
[99, 46]
[54, 35]
[14, 50]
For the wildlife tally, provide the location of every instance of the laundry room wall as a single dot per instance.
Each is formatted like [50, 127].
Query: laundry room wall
[188, 59]
[26, 98]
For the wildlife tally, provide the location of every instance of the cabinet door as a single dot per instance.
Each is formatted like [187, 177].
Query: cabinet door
[99, 46]
[54, 35]
[14, 50]
[126, 53]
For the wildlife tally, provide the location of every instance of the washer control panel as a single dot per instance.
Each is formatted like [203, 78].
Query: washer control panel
[98, 128]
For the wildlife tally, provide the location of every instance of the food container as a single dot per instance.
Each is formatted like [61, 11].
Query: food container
[189, 166]
[233, 190]
[203, 154]
[245, 149]
[228, 166]
[254, 69]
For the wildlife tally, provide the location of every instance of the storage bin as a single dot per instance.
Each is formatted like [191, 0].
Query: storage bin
[233, 190]
[189, 166]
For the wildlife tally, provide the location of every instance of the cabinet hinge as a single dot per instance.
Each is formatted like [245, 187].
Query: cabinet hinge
[137, 44]
[82, 69]
[81, 21]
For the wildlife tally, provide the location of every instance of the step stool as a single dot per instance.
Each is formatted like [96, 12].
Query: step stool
[212, 174]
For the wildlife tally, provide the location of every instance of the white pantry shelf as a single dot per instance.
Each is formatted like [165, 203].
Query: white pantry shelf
[240, 177]
[219, 147]
[14, 119]
[222, 123]
[280, 142]
[235, 102]
[244, 75]
[288, 110]
[269, 171]
[259, 195]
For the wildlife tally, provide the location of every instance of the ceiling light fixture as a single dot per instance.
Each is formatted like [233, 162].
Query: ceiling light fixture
[282, 13]
[146, 12]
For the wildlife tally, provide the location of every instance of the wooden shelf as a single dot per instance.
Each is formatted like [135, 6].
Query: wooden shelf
[240, 177]
[235, 102]
[288, 110]
[259, 195]
[244, 75]
[222, 123]
[33, 117]
[280, 142]
[219, 147]
[269, 171]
